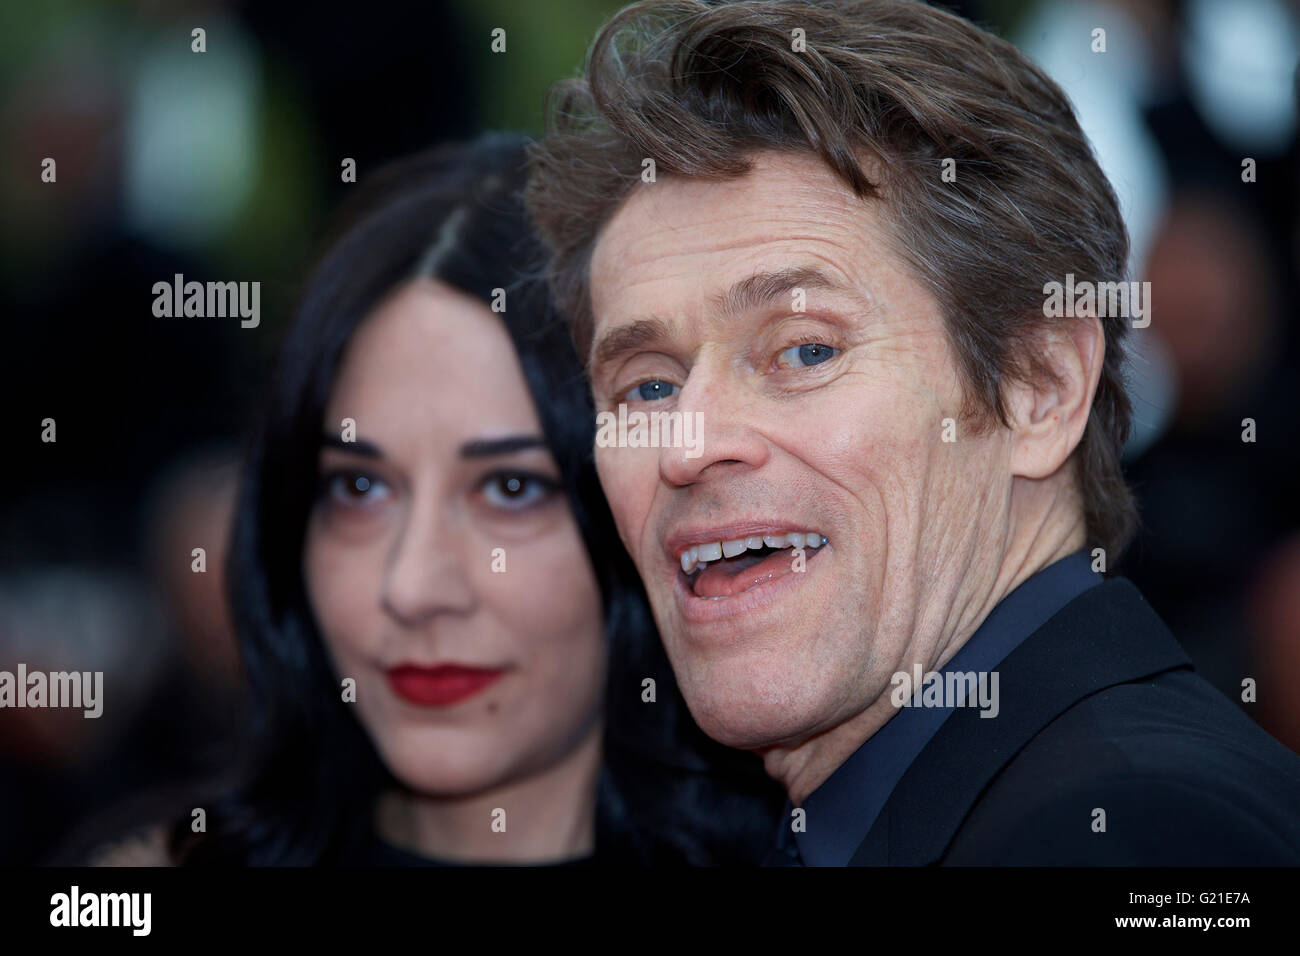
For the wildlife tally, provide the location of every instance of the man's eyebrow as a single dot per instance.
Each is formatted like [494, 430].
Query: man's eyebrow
[627, 338]
[753, 292]
[492, 447]
[764, 288]
[359, 447]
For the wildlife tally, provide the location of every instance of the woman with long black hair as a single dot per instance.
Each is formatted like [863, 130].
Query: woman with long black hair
[449, 655]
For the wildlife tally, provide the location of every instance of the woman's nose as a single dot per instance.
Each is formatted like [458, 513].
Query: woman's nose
[426, 573]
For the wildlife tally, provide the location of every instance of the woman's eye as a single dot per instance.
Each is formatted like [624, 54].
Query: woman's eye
[650, 391]
[801, 356]
[355, 490]
[515, 490]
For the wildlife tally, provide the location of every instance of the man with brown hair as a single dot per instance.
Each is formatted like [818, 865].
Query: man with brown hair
[825, 232]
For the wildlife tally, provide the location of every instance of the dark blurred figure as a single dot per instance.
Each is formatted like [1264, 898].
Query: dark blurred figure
[1223, 271]
[1275, 628]
[171, 701]
[1176, 100]
[218, 166]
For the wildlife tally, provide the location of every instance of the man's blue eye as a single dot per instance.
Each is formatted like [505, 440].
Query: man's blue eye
[650, 391]
[798, 356]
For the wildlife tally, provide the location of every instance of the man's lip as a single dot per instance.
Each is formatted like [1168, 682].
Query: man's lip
[723, 612]
[684, 538]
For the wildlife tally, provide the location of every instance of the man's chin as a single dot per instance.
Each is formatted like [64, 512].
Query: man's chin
[757, 710]
[755, 727]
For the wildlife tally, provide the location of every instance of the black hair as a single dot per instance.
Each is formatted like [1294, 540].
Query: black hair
[305, 797]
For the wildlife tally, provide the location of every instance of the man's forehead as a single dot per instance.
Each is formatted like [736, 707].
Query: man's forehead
[784, 194]
[698, 237]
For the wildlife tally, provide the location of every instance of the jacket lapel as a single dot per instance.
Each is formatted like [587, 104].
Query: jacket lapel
[1108, 635]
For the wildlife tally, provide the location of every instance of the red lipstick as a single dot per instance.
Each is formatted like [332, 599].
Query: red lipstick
[440, 686]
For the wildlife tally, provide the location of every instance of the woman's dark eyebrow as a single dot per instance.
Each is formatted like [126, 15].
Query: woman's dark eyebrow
[491, 447]
[358, 447]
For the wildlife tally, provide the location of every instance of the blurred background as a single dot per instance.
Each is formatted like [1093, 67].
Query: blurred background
[226, 165]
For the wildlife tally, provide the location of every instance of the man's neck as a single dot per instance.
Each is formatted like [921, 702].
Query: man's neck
[804, 766]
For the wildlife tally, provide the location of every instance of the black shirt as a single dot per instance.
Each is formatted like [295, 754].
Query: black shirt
[839, 813]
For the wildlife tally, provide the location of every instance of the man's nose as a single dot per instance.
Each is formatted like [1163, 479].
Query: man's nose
[722, 424]
[426, 573]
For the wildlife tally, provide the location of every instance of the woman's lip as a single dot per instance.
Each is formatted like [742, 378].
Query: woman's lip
[698, 610]
[440, 686]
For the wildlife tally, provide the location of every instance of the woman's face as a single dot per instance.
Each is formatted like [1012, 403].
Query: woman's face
[444, 567]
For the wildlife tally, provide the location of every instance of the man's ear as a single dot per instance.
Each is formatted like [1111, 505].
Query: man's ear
[1049, 417]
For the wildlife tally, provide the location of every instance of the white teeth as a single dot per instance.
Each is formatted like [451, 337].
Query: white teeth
[732, 548]
[702, 554]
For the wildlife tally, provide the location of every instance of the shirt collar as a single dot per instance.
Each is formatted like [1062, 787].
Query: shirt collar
[839, 814]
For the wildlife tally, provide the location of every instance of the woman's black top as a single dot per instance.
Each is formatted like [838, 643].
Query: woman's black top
[618, 841]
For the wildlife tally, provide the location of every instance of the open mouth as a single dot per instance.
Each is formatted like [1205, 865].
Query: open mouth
[724, 569]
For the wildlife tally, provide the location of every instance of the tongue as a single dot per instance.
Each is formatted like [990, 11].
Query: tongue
[733, 576]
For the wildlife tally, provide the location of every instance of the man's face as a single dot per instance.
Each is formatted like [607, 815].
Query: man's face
[821, 415]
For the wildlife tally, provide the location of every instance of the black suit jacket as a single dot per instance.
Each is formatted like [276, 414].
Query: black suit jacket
[1099, 710]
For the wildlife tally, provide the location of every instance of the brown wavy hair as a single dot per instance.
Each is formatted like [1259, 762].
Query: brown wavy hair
[701, 87]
